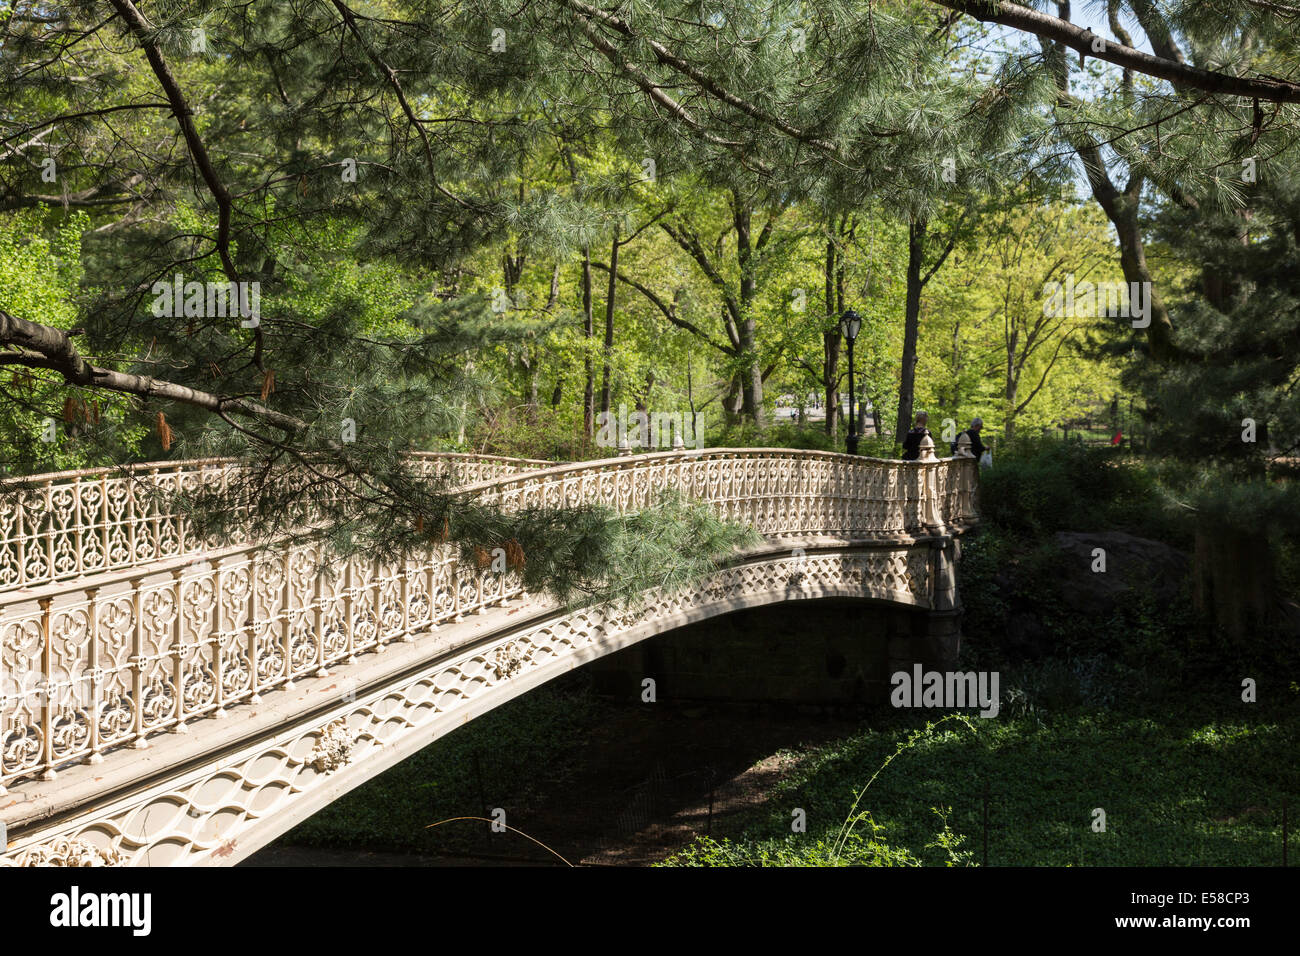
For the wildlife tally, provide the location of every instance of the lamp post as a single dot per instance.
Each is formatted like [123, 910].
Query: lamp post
[850, 323]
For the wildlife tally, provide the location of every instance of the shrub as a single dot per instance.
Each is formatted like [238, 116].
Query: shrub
[1039, 486]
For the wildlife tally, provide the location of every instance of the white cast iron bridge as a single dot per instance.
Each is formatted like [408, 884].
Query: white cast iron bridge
[166, 702]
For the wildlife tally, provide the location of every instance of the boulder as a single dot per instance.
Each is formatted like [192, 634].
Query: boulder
[1134, 567]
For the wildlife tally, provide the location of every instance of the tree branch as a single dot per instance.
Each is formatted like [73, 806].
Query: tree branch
[45, 347]
[670, 312]
[391, 75]
[707, 83]
[1081, 40]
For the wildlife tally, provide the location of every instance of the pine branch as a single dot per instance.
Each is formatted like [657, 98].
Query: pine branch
[391, 76]
[656, 93]
[707, 83]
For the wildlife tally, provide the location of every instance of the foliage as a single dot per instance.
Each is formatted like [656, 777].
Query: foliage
[40, 274]
[585, 554]
[1042, 485]
[1188, 788]
[1196, 784]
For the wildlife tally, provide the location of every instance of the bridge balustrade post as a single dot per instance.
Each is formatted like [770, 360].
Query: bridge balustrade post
[106, 521]
[404, 596]
[964, 473]
[454, 580]
[375, 602]
[177, 649]
[929, 516]
[431, 567]
[129, 519]
[216, 642]
[20, 538]
[78, 555]
[250, 631]
[47, 706]
[155, 522]
[348, 584]
[480, 589]
[178, 519]
[318, 623]
[94, 676]
[49, 521]
[136, 660]
[286, 618]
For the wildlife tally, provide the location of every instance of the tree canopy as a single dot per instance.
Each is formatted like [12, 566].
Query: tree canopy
[328, 233]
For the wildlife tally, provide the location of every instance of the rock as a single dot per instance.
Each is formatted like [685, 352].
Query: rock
[1134, 567]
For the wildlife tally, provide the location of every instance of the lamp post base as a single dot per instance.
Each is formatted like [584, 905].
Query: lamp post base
[851, 444]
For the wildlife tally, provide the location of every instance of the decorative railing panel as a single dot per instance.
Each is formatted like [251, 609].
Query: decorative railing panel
[132, 658]
[75, 523]
[777, 492]
[157, 630]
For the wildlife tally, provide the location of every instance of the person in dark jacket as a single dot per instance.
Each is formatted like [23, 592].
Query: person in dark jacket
[912, 440]
[976, 446]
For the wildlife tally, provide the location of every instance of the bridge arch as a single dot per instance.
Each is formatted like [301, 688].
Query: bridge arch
[211, 791]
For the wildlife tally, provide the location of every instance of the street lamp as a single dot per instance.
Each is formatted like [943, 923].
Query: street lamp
[850, 323]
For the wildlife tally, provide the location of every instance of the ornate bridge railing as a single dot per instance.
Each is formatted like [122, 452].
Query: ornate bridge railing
[778, 492]
[166, 631]
[73, 523]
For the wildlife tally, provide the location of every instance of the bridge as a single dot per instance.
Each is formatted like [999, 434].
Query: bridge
[170, 700]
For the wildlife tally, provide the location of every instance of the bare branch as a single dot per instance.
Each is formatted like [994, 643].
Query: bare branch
[41, 346]
[1082, 41]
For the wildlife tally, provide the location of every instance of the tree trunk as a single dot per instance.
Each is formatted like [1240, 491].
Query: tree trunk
[1232, 574]
[752, 401]
[1011, 386]
[588, 331]
[752, 389]
[609, 323]
[956, 368]
[732, 402]
[1121, 207]
[911, 325]
[1133, 263]
[830, 381]
[831, 345]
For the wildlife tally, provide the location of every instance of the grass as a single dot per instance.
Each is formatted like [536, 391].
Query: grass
[1182, 790]
[1178, 789]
